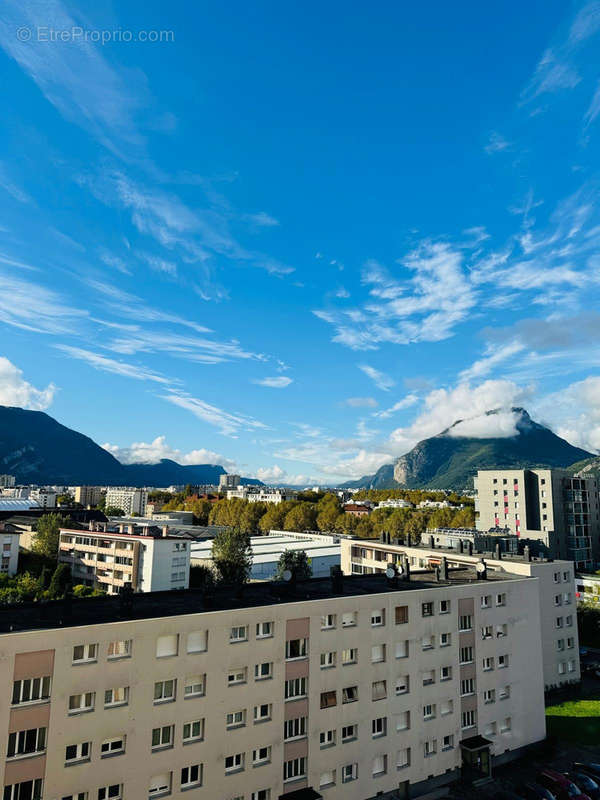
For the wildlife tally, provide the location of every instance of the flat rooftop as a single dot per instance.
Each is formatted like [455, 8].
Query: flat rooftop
[152, 605]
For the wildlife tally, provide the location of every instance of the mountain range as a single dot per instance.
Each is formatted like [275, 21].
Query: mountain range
[35, 448]
[450, 460]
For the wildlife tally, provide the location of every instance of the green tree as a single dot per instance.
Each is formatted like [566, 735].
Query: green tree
[364, 527]
[464, 518]
[297, 562]
[415, 527]
[201, 510]
[61, 578]
[113, 511]
[274, 517]
[328, 516]
[202, 577]
[232, 556]
[47, 534]
[303, 517]
[250, 517]
[65, 499]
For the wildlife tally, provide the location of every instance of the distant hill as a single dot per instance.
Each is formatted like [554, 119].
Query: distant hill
[588, 468]
[449, 461]
[35, 448]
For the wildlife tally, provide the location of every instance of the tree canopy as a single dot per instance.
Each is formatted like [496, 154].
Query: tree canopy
[297, 562]
[47, 535]
[232, 556]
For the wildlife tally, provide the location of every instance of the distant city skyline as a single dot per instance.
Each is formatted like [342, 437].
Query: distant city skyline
[296, 240]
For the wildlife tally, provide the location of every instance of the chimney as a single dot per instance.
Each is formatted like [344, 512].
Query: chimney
[382, 536]
[444, 569]
[432, 542]
[405, 569]
[460, 546]
[165, 531]
[121, 527]
[498, 551]
[91, 525]
[104, 526]
[337, 579]
[527, 553]
[470, 547]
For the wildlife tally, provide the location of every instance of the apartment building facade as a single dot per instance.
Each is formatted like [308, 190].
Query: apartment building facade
[549, 505]
[374, 691]
[129, 500]
[554, 580]
[144, 563]
[87, 495]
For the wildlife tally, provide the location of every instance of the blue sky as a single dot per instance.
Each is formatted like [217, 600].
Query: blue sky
[296, 238]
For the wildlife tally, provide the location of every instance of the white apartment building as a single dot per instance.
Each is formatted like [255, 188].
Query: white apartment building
[395, 503]
[7, 481]
[257, 494]
[554, 581]
[9, 558]
[360, 690]
[87, 495]
[129, 500]
[144, 562]
[45, 497]
[228, 482]
[547, 505]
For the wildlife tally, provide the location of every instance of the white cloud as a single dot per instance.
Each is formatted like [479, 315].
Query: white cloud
[226, 422]
[380, 379]
[406, 402]
[111, 365]
[16, 391]
[500, 425]
[28, 305]
[496, 143]
[574, 412]
[276, 382]
[270, 474]
[361, 402]
[493, 357]
[152, 452]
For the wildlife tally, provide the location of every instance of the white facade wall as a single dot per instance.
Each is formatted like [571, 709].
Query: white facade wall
[164, 565]
[10, 553]
[131, 501]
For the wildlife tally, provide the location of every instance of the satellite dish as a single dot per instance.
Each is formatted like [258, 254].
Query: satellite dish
[480, 567]
[390, 572]
[287, 575]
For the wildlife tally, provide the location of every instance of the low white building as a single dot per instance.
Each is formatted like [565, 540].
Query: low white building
[262, 494]
[45, 497]
[9, 560]
[323, 552]
[129, 499]
[395, 503]
[147, 560]
[7, 481]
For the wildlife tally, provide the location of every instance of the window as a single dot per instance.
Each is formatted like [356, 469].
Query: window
[76, 796]
[401, 615]
[570, 642]
[506, 725]
[79, 703]
[427, 609]
[504, 693]
[264, 630]
[445, 639]
[349, 656]
[162, 737]
[327, 779]
[349, 733]
[559, 622]
[379, 766]
[328, 621]
[377, 617]
[191, 776]
[403, 721]
[121, 648]
[446, 673]
[428, 677]
[328, 660]
[465, 623]
[78, 752]
[501, 599]
[430, 747]
[296, 648]
[379, 727]
[194, 686]
[466, 655]
[261, 794]
[566, 576]
[263, 671]
[402, 649]
[26, 742]
[328, 699]
[350, 694]
[326, 739]
[561, 667]
[557, 577]
[85, 653]
[486, 600]
[167, 646]
[197, 642]
[448, 742]
[294, 728]
[31, 690]
[489, 696]
[502, 661]
[236, 719]
[488, 663]
[239, 675]
[193, 731]
[26, 790]
[119, 696]
[467, 719]
[296, 768]
[487, 632]
[428, 642]
[377, 653]
[239, 633]
[262, 712]
[447, 707]
[234, 763]
[402, 685]
[160, 784]
[569, 620]
[444, 606]
[491, 729]
[348, 619]
[429, 711]
[112, 746]
[164, 691]
[467, 686]
[260, 756]
[571, 666]
[111, 792]
[349, 773]
[294, 688]
[378, 690]
[403, 758]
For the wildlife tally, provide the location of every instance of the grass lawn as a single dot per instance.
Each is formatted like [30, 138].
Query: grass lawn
[576, 721]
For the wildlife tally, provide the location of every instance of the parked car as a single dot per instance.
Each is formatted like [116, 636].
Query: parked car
[534, 791]
[562, 788]
[587, 784]
[591, 768]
